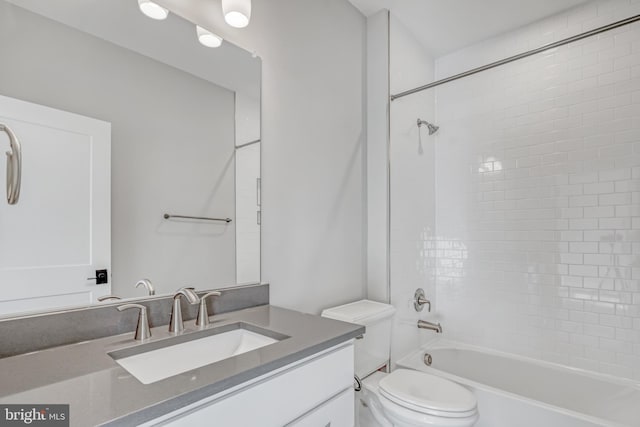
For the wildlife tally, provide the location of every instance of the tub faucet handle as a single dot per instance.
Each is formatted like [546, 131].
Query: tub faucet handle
[142, 329]
[419, 300]
[203, 315]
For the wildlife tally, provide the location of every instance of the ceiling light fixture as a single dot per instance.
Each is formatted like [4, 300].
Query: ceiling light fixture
[207, 38]
[237, 13]
[153, 10]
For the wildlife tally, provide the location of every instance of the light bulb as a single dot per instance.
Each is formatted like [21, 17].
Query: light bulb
[237, 13]
[207, 38]
[153, 10]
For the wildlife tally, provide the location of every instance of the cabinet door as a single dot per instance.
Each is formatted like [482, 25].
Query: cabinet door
[337, 412]
[59, 232]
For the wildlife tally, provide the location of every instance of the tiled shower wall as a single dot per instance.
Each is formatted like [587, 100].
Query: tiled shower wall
[538, 194]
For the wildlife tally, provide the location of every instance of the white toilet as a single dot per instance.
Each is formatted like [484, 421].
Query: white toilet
[404, 397]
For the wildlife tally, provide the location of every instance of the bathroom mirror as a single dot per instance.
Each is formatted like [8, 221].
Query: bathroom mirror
[140, 155]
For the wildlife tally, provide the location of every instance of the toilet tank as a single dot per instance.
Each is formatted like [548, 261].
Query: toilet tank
[372, 351]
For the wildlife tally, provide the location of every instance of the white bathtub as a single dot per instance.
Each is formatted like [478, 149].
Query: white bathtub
[518, 391]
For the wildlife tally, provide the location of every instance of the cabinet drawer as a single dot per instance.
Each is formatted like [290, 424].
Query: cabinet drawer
[337, 412]
[276, 399]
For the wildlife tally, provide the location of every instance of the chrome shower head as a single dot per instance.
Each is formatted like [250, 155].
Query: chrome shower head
[432, 128]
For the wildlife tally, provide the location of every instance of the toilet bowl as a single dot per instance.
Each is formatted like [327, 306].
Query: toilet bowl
[406, 398]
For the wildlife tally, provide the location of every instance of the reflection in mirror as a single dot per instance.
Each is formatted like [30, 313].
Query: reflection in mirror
[123, 119]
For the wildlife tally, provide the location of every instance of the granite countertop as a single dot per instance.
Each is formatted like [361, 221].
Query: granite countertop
[101, 392]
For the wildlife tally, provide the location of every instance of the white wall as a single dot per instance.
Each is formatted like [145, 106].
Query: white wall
[538, 172]
[412, 187]
[172, 147]
[377, 152]
[313, 132]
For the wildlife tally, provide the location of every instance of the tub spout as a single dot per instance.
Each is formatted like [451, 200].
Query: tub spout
[423, 324]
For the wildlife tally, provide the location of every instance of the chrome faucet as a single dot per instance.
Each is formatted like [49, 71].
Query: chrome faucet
[203, 316]
[142, 329]
[423, 324]
[147, 284]
[176, 325]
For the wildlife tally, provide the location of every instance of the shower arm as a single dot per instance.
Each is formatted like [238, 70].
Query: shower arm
[14, 165]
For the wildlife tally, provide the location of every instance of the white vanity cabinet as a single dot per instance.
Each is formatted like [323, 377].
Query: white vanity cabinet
[314, 391]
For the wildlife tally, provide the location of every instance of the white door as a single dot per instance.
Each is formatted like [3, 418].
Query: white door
[58, 234]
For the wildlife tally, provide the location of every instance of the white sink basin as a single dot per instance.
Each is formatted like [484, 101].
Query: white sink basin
[155, 365]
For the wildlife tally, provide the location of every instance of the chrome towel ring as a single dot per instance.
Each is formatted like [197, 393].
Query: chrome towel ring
[14, 166]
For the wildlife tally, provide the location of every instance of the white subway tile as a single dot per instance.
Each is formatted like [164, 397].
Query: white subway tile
[584, 247]
[598, 259]
[627, 211]
[599, 283]
[583, 224]
[573, 212]
[599, 331]
[618, 150]
[626, 37]
[587, 200]
[615, 346]
[599, 212]
[611, 102]
[615, 272]
[585, 340]
[614, 199]
[616, 321]
[616, 297]
[600, 307]
[614, 175]
[552, 238]
[627, 61]
[630, 110]
[584, 271]
[614, 223]
[616, 247]
[627, 186]
[599, 188]
[614, 77]
[584, 317]
[629, 335]
[626, 136]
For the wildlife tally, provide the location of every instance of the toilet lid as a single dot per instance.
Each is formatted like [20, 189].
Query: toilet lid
[428, 394]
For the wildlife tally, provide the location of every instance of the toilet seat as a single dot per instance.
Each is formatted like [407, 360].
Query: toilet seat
[428, 394]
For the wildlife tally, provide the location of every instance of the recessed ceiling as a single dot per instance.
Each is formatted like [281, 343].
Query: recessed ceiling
[443, 26]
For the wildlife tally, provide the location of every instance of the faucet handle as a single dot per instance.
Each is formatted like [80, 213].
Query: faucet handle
[142, 329]
[419, 300]
[203, 316]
